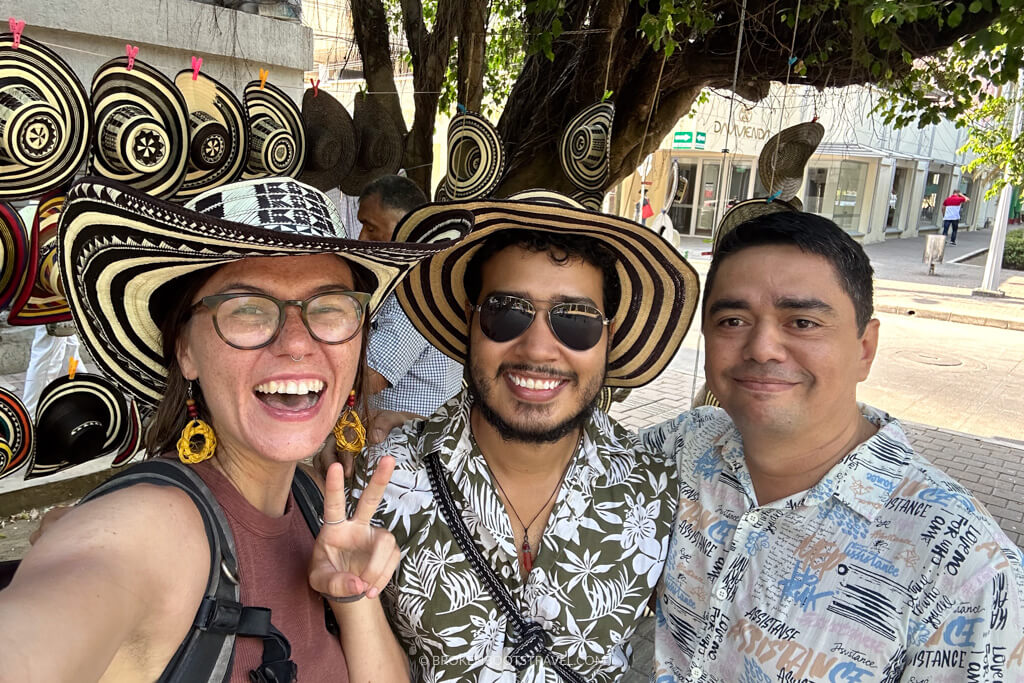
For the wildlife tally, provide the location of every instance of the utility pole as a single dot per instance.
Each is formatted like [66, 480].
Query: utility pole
[994, 261]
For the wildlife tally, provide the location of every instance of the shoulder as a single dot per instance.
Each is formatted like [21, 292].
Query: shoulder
[691, 431]
[626, 458]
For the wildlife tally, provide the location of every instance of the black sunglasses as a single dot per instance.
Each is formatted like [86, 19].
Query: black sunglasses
[576, 325]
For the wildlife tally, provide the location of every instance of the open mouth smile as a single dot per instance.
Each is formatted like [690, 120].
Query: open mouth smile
[290, 395]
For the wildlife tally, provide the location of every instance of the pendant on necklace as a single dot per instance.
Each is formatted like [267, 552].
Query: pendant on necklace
[527, 556]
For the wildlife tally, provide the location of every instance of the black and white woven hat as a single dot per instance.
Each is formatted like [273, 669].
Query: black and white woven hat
[780, 166]
[17, 433]
[476, 157]
[658, 287]
[379, 145]
[83, 418]
[123, 254]
[747, 210]
[44, 119]
[218, 135]
[277, 142]
[330, 140]
[140, 134]
[586, 146]
[41, 299]
[15, 253]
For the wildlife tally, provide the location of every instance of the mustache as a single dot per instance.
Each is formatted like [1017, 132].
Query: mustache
[537, 369]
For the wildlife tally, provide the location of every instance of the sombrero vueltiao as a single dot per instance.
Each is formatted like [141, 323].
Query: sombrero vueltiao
[746, 210]
[277, 143]
[586, 146]
[780, 166]
[17, 433]
[15, 253]
[379, 145]
[330, 140]
[476, 157]
[82, 419]
[659, 288]
[44, 119]
[140, 131]
[122, 254]
[218, 136]
[41, 299]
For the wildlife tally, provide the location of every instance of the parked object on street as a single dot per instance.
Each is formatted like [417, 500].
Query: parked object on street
[934, 251]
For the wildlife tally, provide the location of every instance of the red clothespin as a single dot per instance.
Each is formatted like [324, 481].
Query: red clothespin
[316, 86]
[16, 28]
[197, 63]
[815, 119]
[264, 73]
[72, 367]
[132, 51]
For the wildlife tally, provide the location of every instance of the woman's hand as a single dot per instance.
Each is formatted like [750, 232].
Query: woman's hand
[351, 557]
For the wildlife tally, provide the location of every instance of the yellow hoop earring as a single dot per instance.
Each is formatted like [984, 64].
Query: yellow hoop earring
[350, 420]
[197, 442]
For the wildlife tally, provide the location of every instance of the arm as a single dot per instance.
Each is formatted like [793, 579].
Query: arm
[393, 348]
[127, 569]
[376, 381]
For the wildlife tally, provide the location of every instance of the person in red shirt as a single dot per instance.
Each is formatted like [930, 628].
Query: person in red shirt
[951, 216]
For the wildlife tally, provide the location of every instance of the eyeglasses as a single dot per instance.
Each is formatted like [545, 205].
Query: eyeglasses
[252, 321]
[577, 326]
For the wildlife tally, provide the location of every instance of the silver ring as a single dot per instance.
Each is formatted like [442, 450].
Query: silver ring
[343, 598]
[296, 359]
[324, 521]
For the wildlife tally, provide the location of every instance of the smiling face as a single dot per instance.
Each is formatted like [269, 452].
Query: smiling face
[261, 401]
[783, 352]
[533, 388]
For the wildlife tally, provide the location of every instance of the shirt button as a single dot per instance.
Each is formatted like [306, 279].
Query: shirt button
[754, 518]
[722, 594]
[696, 672]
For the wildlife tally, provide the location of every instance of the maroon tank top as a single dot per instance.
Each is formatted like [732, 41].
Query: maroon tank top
[273, 561]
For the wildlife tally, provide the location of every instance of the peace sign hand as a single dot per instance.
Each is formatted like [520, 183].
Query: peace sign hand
[351, 557]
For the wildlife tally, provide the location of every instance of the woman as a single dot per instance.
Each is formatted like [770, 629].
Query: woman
[248, 341]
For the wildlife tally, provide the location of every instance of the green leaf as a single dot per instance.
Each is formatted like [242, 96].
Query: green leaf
[877, 16]
[975, 7]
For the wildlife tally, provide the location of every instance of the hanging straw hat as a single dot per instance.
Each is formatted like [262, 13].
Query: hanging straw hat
[218, 135]
[17, 433]
[140, 136]
[123, 254]
[655, 308]
[277, 142]
[586, 146]
[41, 299]
[591, 201]
[476, 157]
[81, 419]
[379, 142]
[746, 210]
[330, 140]
[15, 253]
[780, 166]
[44, 119]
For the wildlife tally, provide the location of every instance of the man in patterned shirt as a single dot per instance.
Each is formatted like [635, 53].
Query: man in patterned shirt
[407, 373]
[560, 506]
[811, 543]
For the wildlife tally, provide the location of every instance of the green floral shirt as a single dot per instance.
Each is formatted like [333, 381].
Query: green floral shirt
[601, 555]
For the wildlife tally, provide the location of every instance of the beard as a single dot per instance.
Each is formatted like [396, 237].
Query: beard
[481, 389]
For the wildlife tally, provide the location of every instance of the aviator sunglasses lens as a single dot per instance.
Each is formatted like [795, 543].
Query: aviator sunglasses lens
[502, 319]
[578, 327]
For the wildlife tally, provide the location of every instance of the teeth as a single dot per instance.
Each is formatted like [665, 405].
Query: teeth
[530, 383]
[304, 386]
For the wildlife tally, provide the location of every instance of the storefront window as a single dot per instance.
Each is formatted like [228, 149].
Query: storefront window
[850, 194]
[708, 196]
[897, 198]
[935, 190]
[739, 181]
[814, 198]
[681, 212]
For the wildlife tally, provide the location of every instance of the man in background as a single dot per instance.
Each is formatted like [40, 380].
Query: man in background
[951, 213]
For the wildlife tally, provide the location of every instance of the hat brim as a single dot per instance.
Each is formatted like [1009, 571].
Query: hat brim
[590, 126]
[476, 157]
[277, 142]
[327, 122]
[35, 304]
[747, 210]
[659, 288]
[17, 434]
[122, 252]
[63, 146]
[212, 100]
[65, 405]
[15, 254]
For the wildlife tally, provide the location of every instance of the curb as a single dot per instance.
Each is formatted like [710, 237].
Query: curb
[950, 316]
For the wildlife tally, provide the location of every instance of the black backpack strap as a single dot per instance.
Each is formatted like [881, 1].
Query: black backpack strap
[533, 638]
[310, 500]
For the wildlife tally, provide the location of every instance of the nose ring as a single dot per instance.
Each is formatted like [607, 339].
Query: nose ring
[296, 359]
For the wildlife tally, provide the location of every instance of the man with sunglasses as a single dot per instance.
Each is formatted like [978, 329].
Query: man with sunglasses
[534, 528]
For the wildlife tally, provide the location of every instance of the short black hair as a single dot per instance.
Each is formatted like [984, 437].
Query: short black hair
[395, 192]
[811, 234]
[560, 247]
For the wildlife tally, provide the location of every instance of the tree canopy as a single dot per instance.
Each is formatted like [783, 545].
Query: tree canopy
[540, 62]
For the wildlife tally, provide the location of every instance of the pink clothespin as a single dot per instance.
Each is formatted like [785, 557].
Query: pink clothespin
[264, 73]
[132, 51]
[16, 28]
[197, 63]
[316, 86]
